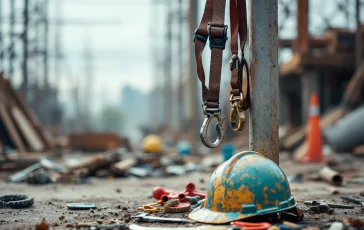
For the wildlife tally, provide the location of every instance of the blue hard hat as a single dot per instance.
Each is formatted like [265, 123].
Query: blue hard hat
[247, 185]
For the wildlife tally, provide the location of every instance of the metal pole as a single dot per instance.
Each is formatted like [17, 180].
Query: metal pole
[11, 54]
[357, 15]
[192, 79]
[45, 45]
[180, 67]
[25, 48]
[263, 55]
[168, 68]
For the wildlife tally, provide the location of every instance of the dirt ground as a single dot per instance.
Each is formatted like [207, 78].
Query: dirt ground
[123, 196]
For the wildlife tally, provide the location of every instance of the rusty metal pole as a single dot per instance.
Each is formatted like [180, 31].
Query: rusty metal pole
[263, 58]
[193, 104]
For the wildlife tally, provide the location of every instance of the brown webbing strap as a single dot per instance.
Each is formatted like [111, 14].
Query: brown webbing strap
[238, 21]
[212, 27]
[201, 35]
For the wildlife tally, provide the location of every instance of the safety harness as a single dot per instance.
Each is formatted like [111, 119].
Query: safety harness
[212, 27]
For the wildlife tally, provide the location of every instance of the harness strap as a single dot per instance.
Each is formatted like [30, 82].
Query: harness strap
[238, 21]
[212, 27]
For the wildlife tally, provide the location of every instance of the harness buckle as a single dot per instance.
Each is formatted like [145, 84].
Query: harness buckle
[237, 116]
[210, 114]
[199, 36]
[215, 41]
[234, 62]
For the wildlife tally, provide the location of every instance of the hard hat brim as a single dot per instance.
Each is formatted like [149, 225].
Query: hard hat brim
[207, 216]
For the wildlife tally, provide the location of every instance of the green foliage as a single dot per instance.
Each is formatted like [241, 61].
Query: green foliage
[111, 119]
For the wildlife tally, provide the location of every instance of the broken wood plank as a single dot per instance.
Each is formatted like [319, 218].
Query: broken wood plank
[12, 129]
[122, 166]
[29, 133]
[21, 104]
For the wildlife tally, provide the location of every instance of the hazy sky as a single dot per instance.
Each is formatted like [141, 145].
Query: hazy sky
[120, 40]
[119, 49]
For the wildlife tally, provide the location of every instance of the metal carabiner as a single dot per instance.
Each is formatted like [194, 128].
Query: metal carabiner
[237, 118]
[219, 130]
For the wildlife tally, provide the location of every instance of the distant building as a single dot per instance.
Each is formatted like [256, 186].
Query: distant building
[134, 105]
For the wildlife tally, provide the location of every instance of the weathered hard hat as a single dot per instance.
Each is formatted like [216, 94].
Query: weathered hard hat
[247, 185]
[152, 144]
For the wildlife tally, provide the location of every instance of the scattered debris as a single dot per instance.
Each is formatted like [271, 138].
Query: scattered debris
[336, 226]
[352, 222]
[16, 201]
[80, 206]
[296, 178]
[319, 206]
[356, 180]
[248, 225]
[42, 226]
[331, 205]
[43, 163]
[193, 199]
[96, 142]
[182, 207]
[146, 217]
[331, 176]
[354, 200]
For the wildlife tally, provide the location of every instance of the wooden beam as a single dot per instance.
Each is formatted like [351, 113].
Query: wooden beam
[302, 26]
[10, 126]
[337, 60]
[313, 43]
[352, 92]
[27, 129]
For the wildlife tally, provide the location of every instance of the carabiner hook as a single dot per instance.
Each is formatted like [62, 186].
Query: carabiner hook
[237, 112]
[219, 130]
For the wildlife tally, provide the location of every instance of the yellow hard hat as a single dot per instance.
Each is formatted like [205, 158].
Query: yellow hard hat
[152, 144]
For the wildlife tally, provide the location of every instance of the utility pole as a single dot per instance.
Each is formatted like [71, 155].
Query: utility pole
[192, 83]
[168, 68]
[357, 13]
[45, 54]
[25, 48]
[180, 67]
[57, 42]
[263, 38]
[11, 54]
[88, 83]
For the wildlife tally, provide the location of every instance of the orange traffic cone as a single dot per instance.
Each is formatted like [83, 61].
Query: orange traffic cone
[314, 138]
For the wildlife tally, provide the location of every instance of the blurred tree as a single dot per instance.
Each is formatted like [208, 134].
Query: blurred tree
[111, 119]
